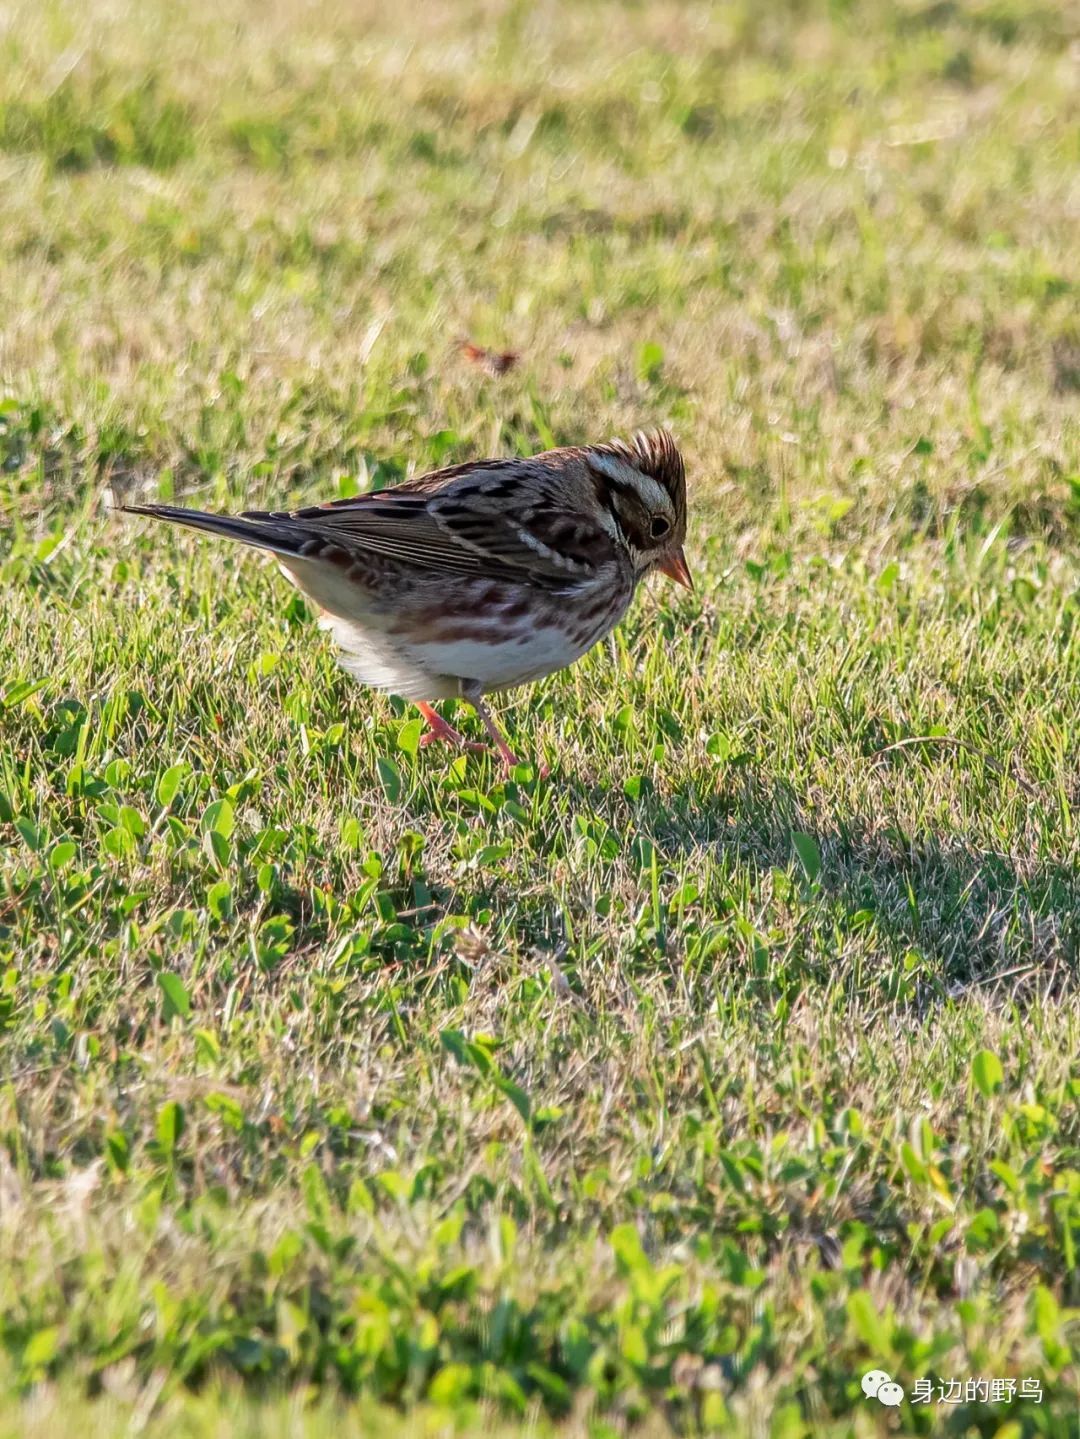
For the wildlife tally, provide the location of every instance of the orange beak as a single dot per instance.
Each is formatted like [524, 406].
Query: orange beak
[675, 568]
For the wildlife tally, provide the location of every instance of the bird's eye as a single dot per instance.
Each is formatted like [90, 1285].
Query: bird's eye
[659, 527]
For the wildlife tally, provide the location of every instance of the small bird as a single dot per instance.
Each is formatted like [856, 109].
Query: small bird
[482, 576]
[494, 362]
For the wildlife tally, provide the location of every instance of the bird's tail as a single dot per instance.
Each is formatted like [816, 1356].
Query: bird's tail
[271, 532]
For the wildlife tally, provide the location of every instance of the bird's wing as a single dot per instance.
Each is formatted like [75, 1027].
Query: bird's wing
[484, 528]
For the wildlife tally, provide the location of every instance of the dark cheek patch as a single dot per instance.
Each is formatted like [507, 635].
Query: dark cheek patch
[634, 520]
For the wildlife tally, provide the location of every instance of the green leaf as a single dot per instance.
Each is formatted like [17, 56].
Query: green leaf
[556, 1388]
[913, 1164]
[983, 1228]
[177, 999]
[1006, 1174]
[118, 1151]
[516, 1095]
[220, 818]
[886, 581]
[62, 853]
[809, 854]
[453, 1041]
[394, 1184]
[632, 1343]
[867, 1323]
[636, 787]
[650, 362]
[360, 1198]
[170, 1126]
[547, 1114]
[207, 1046]
[316, 1194]
[987, 1072]
[33, 837]
[41, 1348]
[623, 720]
[132, 821]
[1050, 1327]
[408, 739]
[118, 842]
[15, 694]
[452, 1384]
[219, 900]
[169, 783]
[479, 1056]
[626, 1243]
[719, 746]
[389, 778]
[218, 823]
[217, 848]
[116, 773]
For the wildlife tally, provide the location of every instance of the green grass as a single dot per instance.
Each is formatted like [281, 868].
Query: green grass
[351, 1090]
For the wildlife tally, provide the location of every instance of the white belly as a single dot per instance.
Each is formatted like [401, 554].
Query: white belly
[495, 666]
[492, 649]
[439, 670]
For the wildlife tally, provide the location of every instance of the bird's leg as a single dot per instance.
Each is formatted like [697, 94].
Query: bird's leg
[509, 758]
[440, 729]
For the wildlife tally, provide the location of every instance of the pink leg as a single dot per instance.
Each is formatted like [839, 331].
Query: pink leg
[439, 729]
[509, 758]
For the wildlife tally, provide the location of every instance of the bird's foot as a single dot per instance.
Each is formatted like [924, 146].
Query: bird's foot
[440, 730]
[509, 758]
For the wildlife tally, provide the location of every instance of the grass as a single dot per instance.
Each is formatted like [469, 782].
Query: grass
[351, 1090]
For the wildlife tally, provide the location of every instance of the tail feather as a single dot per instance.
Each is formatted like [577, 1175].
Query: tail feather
[277, 535]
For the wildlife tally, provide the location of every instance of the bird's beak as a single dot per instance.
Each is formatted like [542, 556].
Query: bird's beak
[675, 567]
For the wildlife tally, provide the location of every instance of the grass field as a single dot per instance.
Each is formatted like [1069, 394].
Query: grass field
[351, 1090]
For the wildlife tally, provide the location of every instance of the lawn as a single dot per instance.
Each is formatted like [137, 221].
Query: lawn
[349, 1089]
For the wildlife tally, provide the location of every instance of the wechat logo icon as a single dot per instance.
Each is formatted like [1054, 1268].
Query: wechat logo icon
[876, 1384]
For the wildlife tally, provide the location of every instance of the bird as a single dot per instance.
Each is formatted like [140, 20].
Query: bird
[482, 576]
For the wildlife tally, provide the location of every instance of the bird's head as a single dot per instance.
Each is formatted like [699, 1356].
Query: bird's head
[643, 484]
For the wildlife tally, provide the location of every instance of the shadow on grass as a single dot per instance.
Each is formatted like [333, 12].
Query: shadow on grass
[967, 915]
